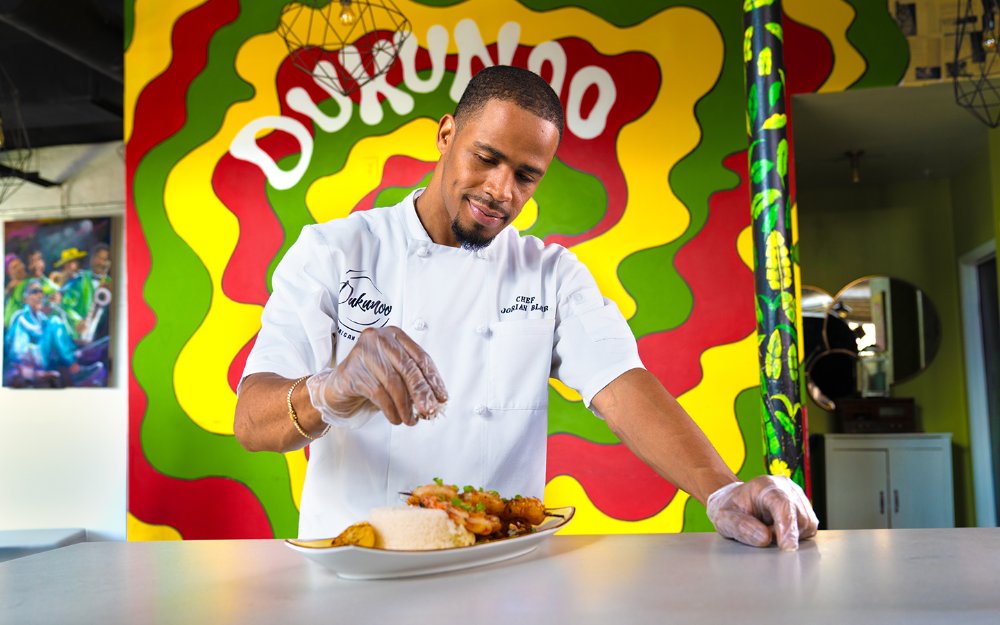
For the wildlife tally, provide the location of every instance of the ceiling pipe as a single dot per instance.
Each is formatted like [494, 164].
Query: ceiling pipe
[81, 32]
[29, 176]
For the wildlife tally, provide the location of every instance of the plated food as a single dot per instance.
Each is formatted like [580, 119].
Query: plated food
[443, 516]
[437, 528]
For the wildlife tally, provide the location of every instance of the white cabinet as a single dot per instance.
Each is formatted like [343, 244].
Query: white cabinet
[897, 480]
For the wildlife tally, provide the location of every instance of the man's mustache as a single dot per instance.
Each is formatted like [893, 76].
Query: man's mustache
[489, 203]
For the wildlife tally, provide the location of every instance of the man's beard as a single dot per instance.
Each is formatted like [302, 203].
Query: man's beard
[472, 240]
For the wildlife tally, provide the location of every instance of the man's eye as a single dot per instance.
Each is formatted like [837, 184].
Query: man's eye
[525, 178]
[485, 159]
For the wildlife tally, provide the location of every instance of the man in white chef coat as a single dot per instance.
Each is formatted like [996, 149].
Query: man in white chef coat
[416, 341]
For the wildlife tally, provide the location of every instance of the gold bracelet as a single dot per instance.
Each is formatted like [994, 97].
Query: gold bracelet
[294, 417]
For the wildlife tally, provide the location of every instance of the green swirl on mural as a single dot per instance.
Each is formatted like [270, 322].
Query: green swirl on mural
[878, 39]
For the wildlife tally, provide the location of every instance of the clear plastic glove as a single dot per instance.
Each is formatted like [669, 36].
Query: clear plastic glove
[385, 371]
[765, 508]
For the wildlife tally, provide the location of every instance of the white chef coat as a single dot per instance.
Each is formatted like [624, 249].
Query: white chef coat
[497, 323]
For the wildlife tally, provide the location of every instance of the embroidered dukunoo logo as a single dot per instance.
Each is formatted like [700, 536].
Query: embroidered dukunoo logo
[362, 305]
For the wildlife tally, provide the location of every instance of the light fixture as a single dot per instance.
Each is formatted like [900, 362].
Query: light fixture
[343, 44]
[346, 16]
[15, 153]
[976, 66]
[854, 156]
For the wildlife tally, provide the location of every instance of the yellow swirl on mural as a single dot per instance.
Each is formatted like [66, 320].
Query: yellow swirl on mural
[334, 196]
[566, 392]
[211, 230]
[136, 529]
[744, 246]
[728, 370]
[832, 18]
[564, 490]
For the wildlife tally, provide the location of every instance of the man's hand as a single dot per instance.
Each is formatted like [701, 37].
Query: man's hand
[766, 507]
[386, 368]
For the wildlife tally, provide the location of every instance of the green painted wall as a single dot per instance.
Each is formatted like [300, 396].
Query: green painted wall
[972, 200]
[904, 230]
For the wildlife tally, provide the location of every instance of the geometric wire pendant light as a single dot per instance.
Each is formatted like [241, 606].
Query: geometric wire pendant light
[976, 69]
[15, 152]
[343, 44]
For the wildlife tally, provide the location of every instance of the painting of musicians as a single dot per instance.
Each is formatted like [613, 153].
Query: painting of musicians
[57, 313]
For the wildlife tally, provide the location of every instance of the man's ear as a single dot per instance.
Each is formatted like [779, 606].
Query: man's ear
[446, 134]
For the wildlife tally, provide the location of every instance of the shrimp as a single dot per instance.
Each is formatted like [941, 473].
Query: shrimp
[482, 512]
[443, 492]
[529, 509]
[478, 523]
[488, 501]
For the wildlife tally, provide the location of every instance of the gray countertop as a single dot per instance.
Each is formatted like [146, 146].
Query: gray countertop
[845, 577]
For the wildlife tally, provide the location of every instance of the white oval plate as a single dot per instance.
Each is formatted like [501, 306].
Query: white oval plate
[352, 562]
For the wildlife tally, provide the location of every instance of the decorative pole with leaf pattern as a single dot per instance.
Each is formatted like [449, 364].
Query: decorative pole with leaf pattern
[771, 208]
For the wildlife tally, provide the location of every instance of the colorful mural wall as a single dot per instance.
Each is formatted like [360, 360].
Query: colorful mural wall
[231, 150]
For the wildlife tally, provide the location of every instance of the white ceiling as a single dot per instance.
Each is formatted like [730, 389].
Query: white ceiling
[905, 133]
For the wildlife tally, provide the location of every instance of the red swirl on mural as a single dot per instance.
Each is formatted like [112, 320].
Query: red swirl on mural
[808, 57]
[722, 289]
[616, 481]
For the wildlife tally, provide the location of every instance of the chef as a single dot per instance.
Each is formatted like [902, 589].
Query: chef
[416, 341]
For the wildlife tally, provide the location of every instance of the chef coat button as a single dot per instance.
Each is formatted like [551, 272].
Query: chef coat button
[480, 409]
[423, 252]
[482, 330]
[481, 254]
[577, 297]
[420, 324]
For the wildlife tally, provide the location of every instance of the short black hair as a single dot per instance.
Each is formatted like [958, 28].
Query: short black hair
[511, 84]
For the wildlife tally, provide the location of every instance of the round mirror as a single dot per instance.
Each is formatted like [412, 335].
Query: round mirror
[815, 301]
[875, 332]
[897, 327]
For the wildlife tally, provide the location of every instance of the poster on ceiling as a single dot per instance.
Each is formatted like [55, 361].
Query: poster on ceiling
[56, 303]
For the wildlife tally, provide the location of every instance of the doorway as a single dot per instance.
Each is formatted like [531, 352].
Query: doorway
[981, 322]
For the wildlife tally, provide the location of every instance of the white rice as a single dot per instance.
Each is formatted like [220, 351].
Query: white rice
[413, 528]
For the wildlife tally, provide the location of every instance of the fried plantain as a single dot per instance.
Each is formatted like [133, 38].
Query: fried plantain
[360, 534]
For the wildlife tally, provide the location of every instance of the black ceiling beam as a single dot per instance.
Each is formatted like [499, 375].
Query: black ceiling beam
[81, 32]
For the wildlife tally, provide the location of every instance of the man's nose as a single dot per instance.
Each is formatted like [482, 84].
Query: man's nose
[500, 184]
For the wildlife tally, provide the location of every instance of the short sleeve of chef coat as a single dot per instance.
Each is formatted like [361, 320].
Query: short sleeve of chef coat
[299, 322]
[593, 342]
